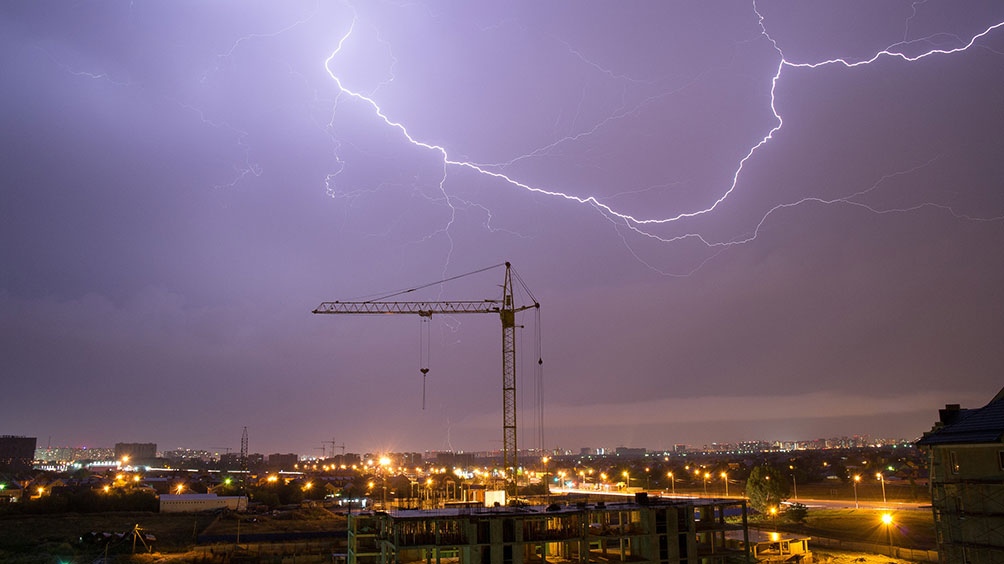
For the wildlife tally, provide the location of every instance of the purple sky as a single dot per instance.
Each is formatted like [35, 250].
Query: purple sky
[184, 182]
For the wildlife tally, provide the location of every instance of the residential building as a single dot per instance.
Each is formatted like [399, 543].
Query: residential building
[195, 503]
[656, 531]
[283, 462]
[966, 461]
[17, 454]
[135, 452]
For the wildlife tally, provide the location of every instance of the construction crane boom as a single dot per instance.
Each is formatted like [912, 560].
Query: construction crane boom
[505, 309]
[420, 308]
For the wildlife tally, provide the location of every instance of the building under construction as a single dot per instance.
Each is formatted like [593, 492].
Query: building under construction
[641, 531]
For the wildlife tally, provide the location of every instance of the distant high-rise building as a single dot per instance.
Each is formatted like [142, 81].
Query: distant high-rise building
[630, 452]
[17, 454]
[282, 462]
[135, 451]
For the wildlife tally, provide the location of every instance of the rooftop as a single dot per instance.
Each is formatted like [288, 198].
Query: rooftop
[968, 426]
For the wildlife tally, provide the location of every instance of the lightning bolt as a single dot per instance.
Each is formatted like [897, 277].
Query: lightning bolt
[906, 50]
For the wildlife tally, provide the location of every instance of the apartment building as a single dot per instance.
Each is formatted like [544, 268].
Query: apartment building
[966, 458]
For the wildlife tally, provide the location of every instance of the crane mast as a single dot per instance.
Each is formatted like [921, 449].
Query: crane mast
[505, 309]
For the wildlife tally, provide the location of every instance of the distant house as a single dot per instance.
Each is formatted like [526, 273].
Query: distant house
[10, 492]
[966, 460]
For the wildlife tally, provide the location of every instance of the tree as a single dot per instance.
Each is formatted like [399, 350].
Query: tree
[766, 487]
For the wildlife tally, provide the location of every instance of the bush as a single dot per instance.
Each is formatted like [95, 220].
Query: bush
[796, 513]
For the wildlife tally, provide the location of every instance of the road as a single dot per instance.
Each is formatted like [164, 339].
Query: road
[810, 503]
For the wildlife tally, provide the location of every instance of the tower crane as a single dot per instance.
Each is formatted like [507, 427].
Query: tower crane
[505, 308]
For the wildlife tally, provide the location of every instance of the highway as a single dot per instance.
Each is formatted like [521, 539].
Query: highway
[809, 503]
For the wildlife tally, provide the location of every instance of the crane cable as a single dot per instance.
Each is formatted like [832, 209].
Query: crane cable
[443, 281]
[424, 352]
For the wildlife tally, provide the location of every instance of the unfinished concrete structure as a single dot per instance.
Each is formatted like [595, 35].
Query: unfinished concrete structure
[644, 531]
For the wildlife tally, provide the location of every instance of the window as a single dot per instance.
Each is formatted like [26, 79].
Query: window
[953, 461]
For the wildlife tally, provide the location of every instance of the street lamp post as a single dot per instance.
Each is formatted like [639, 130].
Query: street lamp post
[857, 478]
[725, 480]
[887, 520]
[882, 480]
[794, 486]
[627, 478]
[672, 481]
[706, 476]
[547, 485]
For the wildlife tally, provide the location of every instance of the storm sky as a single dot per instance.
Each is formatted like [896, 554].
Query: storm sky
[779, 220]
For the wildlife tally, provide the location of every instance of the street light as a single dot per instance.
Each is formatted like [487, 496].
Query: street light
[547, 486]
[881, 479]
[857, 478]
[627, 478]
[706, 476]
[773, 514]
[794, 487]
[672, 481]
[887, 521]
[725, 480]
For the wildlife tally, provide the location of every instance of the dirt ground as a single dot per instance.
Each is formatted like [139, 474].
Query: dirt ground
[838, 557]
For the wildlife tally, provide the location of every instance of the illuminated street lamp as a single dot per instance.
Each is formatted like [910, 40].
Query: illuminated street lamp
[384, 464]
[794, 486]
[773, 514]
[857, 478]
[179, 488]
[725, 480]
[672, 481]
[707, 475]
[627, 478]
[881, 479]
[887, 521]
[547, 485]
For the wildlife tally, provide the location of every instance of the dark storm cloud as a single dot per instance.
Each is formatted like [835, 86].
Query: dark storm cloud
[183, 183]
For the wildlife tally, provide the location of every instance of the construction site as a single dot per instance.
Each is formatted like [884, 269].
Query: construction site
[642, 530]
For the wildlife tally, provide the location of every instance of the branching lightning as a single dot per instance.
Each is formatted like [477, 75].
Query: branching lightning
[642, 226]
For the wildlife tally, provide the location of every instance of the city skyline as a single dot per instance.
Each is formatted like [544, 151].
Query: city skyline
[740, 220]
[68, 452]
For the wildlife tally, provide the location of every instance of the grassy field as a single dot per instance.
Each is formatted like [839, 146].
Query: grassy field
[31, 539]
[910, 529]
[27, 539]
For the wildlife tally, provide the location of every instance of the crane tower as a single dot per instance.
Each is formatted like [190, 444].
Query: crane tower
[505, 308]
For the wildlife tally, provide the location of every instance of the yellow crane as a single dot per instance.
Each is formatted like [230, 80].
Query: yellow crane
[505, 308]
